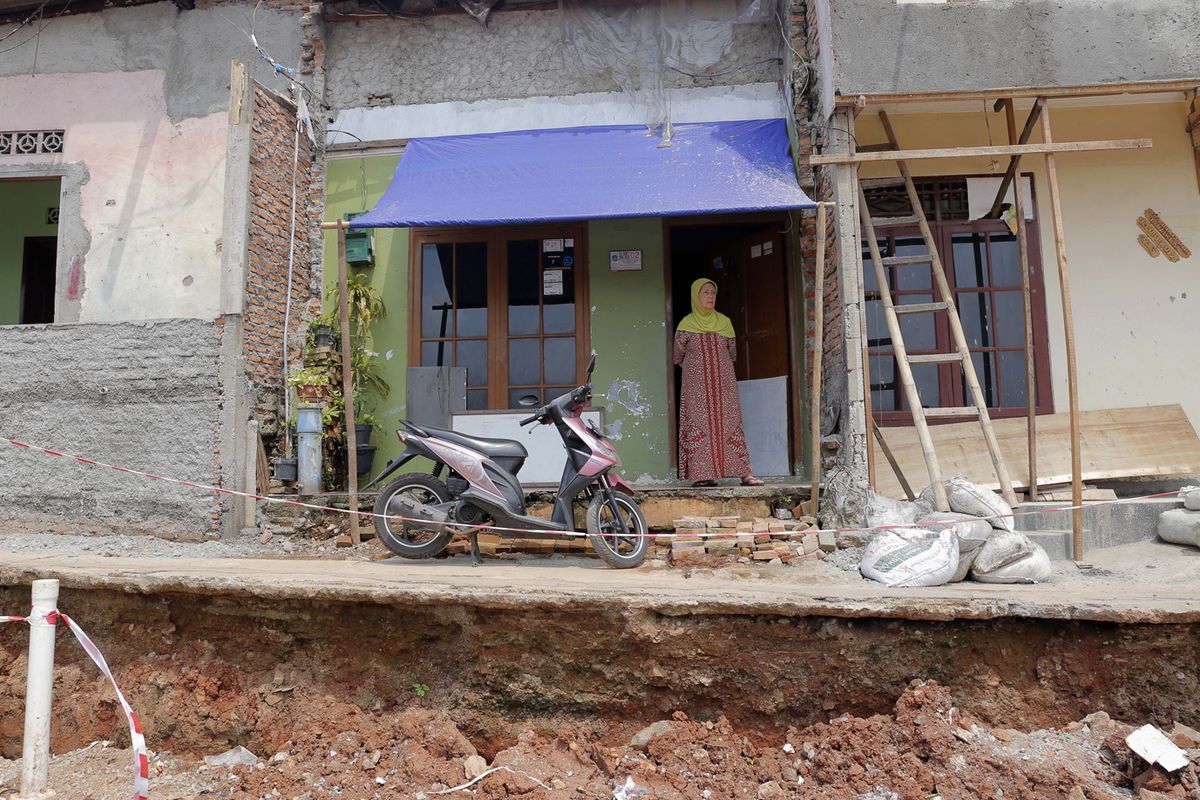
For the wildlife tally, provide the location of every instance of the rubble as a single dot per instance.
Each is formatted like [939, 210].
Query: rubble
[717, 541]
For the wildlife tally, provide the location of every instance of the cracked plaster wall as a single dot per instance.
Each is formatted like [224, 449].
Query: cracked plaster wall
[519, 54]
[884, 46]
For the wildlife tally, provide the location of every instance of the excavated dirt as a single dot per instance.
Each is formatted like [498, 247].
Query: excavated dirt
[358, 693]
[925, 747]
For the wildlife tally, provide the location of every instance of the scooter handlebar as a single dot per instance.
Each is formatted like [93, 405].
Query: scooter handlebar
[529, 420]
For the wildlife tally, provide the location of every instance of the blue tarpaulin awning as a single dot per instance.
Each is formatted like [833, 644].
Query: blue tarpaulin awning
[597, 172]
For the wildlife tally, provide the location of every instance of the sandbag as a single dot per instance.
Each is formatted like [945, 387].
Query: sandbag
[910, 557]
[1180, 526]
[1191, 499]
[1033, 567]
[972, 535]
[881, 510]
[1002, 548]
[968, 498]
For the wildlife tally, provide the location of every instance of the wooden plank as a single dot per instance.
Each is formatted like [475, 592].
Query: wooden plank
[1014, 163]
[347, 383]
[814, 391]
[860, 100]
[1153, 441]
[1060, 249]
[1026, 302]
[984, 151]
[262, 474]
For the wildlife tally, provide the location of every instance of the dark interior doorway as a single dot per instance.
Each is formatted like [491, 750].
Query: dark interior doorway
[37, 280]
[749, 264]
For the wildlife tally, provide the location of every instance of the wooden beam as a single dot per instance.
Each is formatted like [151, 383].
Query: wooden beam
[989, 150]
[1014, 163]
[814, 392]
[1026, 301]
[348, 384]
[1060, 249]
[1074, 90]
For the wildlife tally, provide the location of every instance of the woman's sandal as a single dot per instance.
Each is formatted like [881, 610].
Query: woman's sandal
[750, 480]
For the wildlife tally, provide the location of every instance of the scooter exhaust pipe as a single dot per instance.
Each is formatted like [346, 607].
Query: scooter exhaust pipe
[428, 517]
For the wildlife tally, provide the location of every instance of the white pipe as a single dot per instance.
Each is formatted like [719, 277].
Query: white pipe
[35, 758]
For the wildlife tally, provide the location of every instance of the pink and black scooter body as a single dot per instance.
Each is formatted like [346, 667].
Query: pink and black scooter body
[489, 467]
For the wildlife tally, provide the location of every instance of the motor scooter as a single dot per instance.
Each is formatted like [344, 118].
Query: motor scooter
[417, 514]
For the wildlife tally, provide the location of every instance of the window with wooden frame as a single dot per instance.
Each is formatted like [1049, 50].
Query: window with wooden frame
[983, 268]
[508, 304]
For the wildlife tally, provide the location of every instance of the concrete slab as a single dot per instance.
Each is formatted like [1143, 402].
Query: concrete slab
[1145, 582]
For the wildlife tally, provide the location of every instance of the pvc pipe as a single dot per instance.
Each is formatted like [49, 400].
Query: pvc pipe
[308, 449]
[35, 757]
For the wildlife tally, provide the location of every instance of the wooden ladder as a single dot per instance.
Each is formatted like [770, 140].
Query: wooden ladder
[960, 355]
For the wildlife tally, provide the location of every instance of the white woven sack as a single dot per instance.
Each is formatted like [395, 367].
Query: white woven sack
[1001, 548]
[1033, 567]
[910, 557]
[967, 498]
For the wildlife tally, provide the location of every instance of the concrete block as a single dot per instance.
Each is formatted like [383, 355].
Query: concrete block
[1180, 526]
[827, 541]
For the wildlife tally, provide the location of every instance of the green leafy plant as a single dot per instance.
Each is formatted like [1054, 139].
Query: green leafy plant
[365, 306]
[421, 689]
[309, 376]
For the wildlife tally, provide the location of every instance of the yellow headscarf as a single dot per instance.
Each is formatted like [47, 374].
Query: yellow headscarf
[704, 320]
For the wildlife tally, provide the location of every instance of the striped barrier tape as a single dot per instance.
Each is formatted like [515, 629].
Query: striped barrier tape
[141, 758]
[494, 528]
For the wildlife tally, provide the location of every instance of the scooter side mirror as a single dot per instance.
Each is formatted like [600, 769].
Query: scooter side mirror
[591, 364]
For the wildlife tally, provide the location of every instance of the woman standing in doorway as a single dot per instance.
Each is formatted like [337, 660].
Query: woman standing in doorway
[712, 443]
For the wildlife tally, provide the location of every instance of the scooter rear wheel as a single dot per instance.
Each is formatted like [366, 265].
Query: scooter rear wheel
[409, 540]
[604, 533]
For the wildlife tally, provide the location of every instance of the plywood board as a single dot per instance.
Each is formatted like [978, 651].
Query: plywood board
[1115, 443]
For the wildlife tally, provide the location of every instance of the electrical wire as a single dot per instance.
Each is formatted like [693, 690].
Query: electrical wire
[730, 71]
[37, 12]
[39, 30]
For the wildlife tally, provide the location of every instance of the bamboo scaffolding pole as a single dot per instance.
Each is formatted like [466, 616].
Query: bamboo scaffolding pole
[1026, 297]
[814, 392]
[989, 150]
[348, 384]
[1060, 249]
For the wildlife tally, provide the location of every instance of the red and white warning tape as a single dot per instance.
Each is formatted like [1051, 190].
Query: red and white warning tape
[141, 760]
[496, 528]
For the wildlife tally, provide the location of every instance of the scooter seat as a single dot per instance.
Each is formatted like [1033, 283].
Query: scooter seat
[492, 448]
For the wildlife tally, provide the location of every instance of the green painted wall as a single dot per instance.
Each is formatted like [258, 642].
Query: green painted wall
[23, 207]
[628, 331]
[630, 339]
[356, 185]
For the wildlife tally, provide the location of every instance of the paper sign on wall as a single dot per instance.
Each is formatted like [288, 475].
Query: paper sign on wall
[552, 282]
[552, 245]
[624, 260]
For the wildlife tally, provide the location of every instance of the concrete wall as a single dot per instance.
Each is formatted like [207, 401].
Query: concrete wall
[23, 207]
[141, 93]
[519, 54]
[138, 395]
[1135, 316]
[886, 46]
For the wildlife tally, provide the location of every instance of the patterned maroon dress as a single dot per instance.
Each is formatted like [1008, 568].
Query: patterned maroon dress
[712, 443]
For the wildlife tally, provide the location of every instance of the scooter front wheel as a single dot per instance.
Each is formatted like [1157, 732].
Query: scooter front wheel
[621, 546]
[408, 539]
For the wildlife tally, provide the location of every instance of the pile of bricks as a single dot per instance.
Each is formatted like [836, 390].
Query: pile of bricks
[714, 540]
[491, 544]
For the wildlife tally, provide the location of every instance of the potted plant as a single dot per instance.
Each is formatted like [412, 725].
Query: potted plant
[309, 384]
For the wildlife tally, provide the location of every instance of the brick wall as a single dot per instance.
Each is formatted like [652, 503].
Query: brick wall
[812, 134]
[272, 151]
